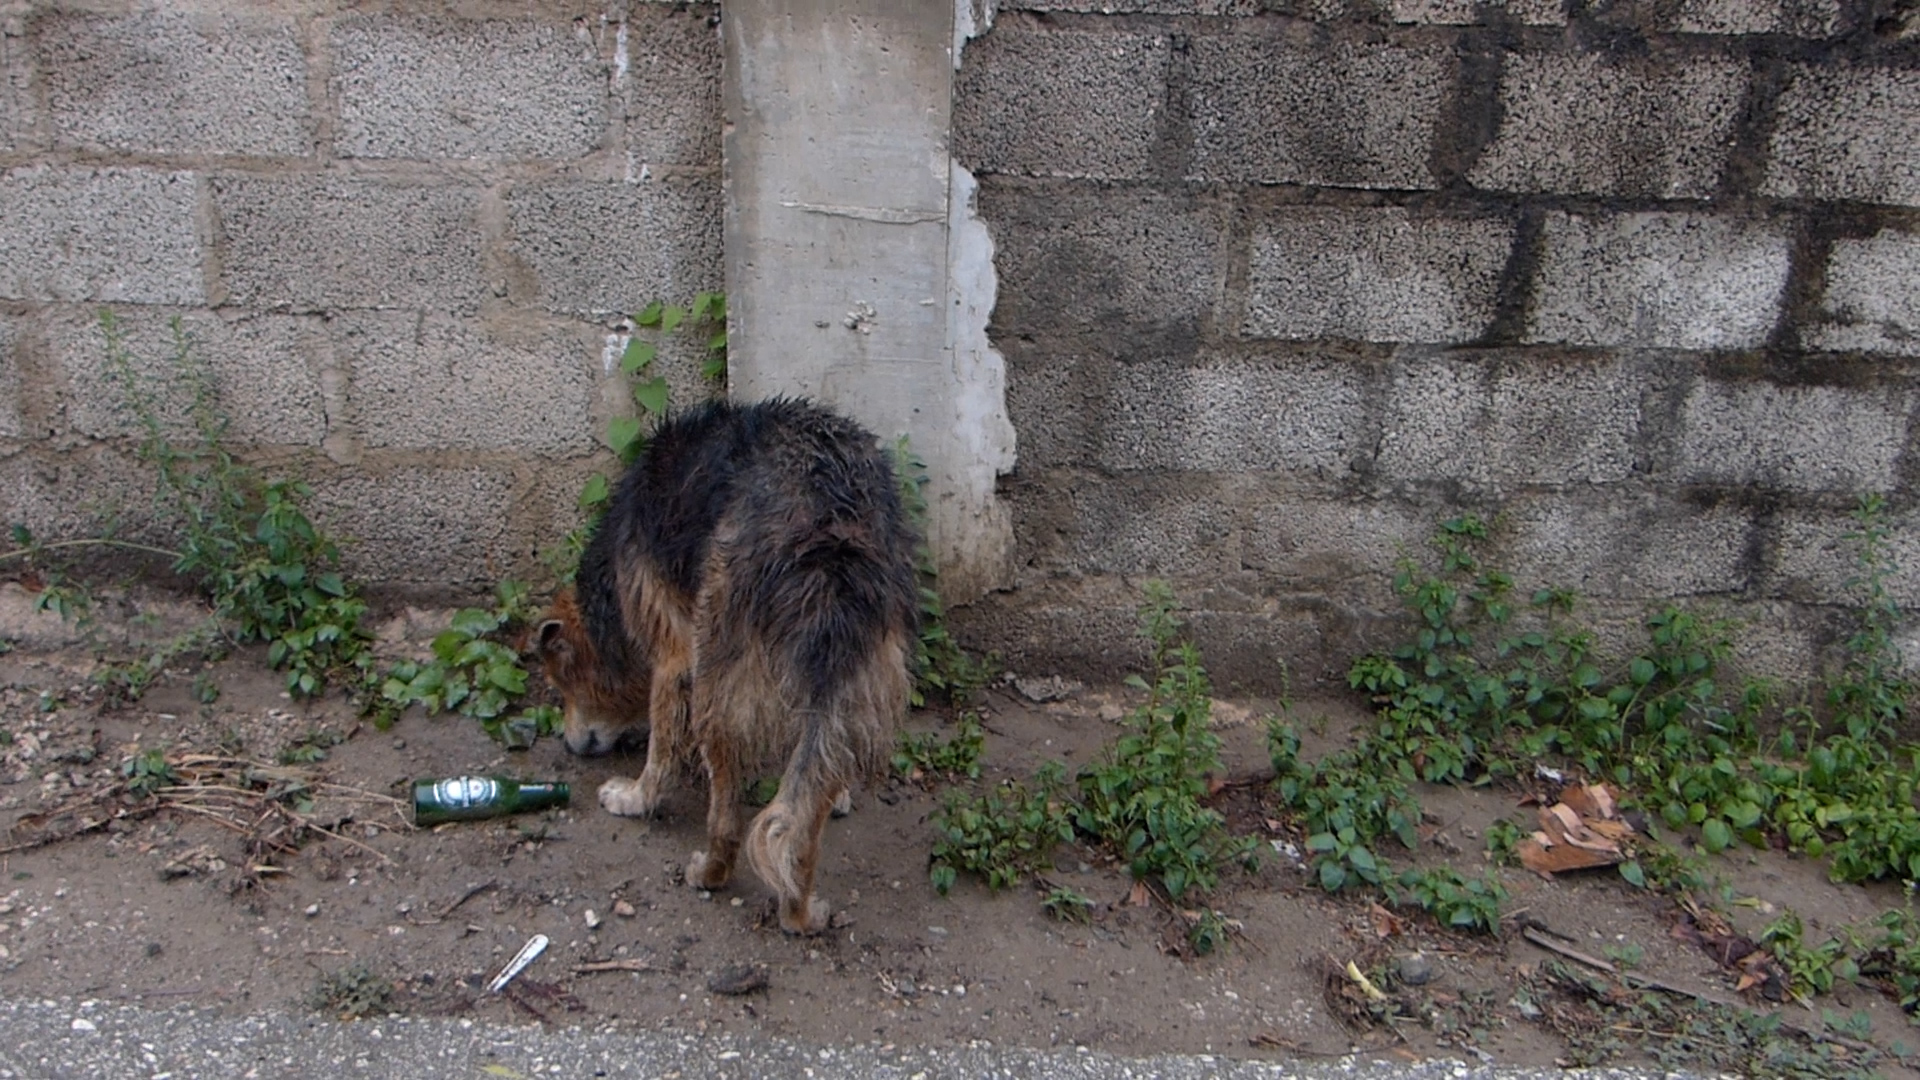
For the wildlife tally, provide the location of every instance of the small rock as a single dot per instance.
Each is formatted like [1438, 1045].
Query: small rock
[1111, 713]
[1051, 688]
[593, 919]
[737, 901]
[937, 931]
[1415, 969]
[399, 744]
[81, 1023]
[624, 909]
[313, 909]
[738, 979]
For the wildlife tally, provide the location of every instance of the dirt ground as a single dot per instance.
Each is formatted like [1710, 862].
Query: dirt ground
[176, 905]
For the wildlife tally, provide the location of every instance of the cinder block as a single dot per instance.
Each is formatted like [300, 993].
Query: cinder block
[1319, 545]
[1060, 103]
[1377, 274]
[1119, 262]
[1811, 560]
[111, 235]
[669, 81]
[432, 383]
[1585, 123]
[1800, 18]
[467, 88]
[1520, 420]
[1128, 7]
[1796, 438]
[1266, 108]
[10, 381]
[16, 94]
[263, 371]
[173, 83]
[69, 496]
[1872, 301]
[614, 247]
[1226, 415]
[312, 243]
[1626, 546]
[1474, 12]
[443, 529]
[1659, 280]
[1848, 133]
[1153, 525]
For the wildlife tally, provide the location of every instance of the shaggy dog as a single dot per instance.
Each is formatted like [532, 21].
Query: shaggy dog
[750, 595]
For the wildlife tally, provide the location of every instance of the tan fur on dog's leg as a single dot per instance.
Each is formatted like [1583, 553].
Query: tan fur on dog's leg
[711, 868]
[783, 844]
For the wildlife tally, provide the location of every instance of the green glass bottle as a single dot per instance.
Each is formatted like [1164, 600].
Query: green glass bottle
[464, 798]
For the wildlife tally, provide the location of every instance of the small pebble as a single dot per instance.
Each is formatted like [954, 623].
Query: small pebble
[593, 919]
[624, 909]
[1415, 969]
[313, 909]
[737, 901]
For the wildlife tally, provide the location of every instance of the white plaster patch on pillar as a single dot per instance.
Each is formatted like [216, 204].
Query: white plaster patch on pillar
[979, 526]
[971, 18]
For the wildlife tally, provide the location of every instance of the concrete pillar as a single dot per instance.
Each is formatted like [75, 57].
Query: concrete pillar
[856, 273]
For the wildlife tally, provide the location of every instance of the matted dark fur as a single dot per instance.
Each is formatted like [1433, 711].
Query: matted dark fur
[750, 595]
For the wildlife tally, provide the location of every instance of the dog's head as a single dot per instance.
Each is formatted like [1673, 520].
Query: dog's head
[605, 703]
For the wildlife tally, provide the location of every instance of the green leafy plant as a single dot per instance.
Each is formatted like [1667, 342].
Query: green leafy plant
[1002, 834]
[929, 754]
[1067, 905]
[1456, 901]
[1145, 796]
[474, 673]
[352, 993]
[705, 318]
[271, 574]
[311, 747]
[147, 771]
[1809, 968]
[942, 669]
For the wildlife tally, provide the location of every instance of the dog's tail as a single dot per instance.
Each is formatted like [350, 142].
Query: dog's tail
[783, 839]
[841, 741]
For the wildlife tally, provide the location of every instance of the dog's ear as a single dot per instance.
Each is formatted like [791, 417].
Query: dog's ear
[552, 637]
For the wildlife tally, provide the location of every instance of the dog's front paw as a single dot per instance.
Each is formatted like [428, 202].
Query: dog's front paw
[843, 803]
[628, 798]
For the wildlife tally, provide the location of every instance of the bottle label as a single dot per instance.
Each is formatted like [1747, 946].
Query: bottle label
[466, 792]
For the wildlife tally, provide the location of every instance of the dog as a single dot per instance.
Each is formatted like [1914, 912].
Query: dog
[750, 597]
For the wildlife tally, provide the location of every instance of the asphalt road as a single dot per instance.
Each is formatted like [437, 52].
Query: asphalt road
[55, 1040]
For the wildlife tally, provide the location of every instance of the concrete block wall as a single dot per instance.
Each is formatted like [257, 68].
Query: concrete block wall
[1285, 283]
[402, 238]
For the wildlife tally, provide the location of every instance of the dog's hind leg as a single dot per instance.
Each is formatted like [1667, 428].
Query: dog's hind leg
[711, 868]
[783, 844]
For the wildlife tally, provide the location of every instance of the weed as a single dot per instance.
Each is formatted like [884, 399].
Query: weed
[929, 754]
[1206, 931]
[1453, 900]
[1144, 797]
[472, 673]
[311, 747]
[706, 318]
[941, 667]
[1809, 968]
[1626, 955]
[1503, 836]
[270, 572]
[352, 993]
[147, 771]
[1067, 905]
[1003, 834]
[206, 688]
